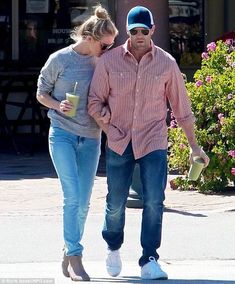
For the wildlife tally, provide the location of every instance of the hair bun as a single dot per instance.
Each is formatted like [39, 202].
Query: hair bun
[101, 13]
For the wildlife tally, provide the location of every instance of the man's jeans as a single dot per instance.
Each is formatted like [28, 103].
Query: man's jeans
[75, 159]
[153, 173]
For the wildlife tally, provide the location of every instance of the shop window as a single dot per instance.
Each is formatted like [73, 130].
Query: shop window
[5, 30]
[45, 26]
[186, 31]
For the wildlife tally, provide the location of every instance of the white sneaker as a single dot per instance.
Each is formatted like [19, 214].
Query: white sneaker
[113, 263]
[152, 270]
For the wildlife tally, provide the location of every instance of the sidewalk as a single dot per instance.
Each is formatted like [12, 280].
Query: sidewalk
[21, 173]
[30, 193]
[213, 272]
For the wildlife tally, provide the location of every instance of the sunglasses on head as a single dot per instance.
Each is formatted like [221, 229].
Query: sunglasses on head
[135, 32]
[105, 46]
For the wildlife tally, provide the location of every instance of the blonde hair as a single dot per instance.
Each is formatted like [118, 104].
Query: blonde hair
[98, 25]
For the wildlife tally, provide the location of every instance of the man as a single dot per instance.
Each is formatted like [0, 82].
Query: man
[135, 80]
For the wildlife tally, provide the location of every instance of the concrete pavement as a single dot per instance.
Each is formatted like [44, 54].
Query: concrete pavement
[198, 232]
[212, 272]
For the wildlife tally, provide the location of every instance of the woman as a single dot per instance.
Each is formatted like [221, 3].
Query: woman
[74, 142]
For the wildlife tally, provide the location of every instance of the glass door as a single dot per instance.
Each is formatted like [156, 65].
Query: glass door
[186, 19]
[45, 26]
[5, 31]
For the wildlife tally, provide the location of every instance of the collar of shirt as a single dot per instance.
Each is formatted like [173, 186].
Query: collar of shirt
[127, 51]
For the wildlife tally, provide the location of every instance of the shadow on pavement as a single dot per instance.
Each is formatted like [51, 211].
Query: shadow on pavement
[14, 167]
[184, 213]
[39, 165]
[175, 281]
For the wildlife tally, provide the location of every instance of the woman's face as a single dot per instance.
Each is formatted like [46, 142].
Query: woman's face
[98, 47]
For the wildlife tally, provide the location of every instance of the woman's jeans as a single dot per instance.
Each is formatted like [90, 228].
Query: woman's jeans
[153, 173]
[75, 159]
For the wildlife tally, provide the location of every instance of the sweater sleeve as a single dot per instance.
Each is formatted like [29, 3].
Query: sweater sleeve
[48, 75]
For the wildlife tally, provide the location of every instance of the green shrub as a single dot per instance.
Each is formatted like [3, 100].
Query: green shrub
[213, 103]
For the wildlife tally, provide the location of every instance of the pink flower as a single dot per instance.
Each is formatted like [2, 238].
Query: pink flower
[229, 41]
[211, 46]
[232, 153]
[172, 116]
[233, 171]
[220, 116]
[199, 83]
[229, 96]
[208, 79]
[182, 146]
[205, 55]
[173, 124]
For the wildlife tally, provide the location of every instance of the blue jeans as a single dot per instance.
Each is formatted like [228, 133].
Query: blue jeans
[75, 159]
[153, 173]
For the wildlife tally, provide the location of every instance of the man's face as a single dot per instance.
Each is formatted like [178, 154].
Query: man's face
[140, 38]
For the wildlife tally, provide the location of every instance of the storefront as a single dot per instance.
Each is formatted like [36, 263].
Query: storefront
[30, 30]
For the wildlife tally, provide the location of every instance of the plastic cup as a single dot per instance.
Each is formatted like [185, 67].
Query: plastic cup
[75, 101]
[196, 168]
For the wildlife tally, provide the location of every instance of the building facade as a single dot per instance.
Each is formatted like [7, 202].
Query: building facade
[30, 30]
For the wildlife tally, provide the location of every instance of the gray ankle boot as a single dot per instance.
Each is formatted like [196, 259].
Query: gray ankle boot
[76, 270]
[64, 265]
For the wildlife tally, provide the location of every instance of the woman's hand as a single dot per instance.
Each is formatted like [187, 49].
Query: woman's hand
[65, 106]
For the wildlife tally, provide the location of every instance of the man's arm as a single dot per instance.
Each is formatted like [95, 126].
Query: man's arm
[188, 128]
[181, 106]
[98, 118]
[98, 96]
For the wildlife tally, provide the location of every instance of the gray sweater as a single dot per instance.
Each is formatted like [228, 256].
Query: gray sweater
[58, 76]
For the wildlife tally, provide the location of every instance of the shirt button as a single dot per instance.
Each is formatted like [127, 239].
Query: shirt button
[137, 90]
[139, 77]
[133, 129]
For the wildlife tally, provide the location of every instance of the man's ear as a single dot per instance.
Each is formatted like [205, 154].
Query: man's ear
[153, 29]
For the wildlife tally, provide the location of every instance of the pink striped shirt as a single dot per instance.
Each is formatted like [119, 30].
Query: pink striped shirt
[137, 96]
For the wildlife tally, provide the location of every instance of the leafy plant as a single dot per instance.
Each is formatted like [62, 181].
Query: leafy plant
[213, 103]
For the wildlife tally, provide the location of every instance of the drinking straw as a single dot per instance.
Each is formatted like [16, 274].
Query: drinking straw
[75, 87]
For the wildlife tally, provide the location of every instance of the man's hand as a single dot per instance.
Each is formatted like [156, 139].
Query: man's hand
[100, 120]
[105, 115]
[197, 151]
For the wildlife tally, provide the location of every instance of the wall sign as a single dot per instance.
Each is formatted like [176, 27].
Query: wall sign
[37, 6]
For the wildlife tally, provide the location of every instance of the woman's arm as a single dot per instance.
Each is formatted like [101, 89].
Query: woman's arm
[46, 100]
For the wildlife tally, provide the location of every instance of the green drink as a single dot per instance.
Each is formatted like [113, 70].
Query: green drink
[74, 100]
[196, 168]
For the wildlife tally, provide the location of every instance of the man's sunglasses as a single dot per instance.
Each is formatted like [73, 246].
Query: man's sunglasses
[105, 46]
[135, 32]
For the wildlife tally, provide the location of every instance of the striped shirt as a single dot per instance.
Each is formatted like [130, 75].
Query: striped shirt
[137, 94]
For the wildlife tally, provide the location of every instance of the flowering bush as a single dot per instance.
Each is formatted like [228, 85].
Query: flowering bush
[213, 103]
